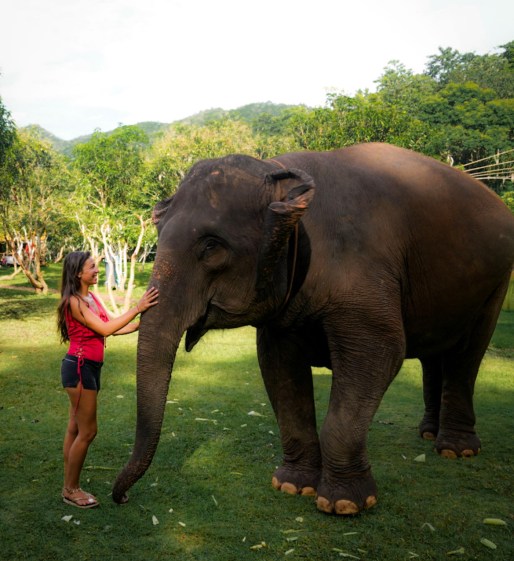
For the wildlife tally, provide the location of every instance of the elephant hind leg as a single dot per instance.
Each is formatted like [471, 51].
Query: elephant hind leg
[432, 389]
[456, 436]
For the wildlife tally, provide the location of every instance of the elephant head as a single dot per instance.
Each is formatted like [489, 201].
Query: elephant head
[223, 261]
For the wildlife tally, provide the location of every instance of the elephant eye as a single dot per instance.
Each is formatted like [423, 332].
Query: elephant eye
[210, 245]
[213, 253]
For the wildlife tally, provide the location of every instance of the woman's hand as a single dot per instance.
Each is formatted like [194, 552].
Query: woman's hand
[148, 299]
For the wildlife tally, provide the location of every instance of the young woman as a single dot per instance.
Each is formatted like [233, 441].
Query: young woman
[83, 322]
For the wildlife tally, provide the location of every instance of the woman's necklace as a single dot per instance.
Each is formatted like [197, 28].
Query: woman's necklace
[90, 302]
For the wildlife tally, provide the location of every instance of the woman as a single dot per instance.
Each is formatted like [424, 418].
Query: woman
[83, 322]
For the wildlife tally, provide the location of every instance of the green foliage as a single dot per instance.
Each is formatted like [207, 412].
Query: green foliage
[440, 67]
[34, 187]
[111, 193]
[508, 53]
[112, 165]
[350, 120]
[468, 122]
[172, 156]
[401, 87]
[488, 71]
[508, 199]
[494, 71]
[7, 131]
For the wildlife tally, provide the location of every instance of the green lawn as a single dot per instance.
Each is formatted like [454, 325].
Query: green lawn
[207, 495]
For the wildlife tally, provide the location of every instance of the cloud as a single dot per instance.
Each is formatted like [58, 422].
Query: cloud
[75, 65]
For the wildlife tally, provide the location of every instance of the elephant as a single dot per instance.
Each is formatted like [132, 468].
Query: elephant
[354, 260]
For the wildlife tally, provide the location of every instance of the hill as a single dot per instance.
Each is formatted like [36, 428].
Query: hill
[151, 128]
[245, 113]
[39, 132]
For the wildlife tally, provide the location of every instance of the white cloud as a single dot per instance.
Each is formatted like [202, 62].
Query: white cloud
[74, 65]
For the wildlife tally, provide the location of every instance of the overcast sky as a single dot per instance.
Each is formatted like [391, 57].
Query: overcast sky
[73, 66]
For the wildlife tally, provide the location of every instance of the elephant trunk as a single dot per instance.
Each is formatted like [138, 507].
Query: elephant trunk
[156, 350]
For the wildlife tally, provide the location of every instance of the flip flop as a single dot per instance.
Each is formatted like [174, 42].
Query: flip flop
[78, 502]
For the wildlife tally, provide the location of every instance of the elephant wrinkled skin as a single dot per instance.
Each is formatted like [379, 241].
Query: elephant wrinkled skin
[354, 260]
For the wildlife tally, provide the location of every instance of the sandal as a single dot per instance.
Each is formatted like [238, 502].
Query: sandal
[83, 500]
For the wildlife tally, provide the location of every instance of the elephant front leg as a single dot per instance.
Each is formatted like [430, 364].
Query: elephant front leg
[362, 371]
[288, 381]
[347, 485]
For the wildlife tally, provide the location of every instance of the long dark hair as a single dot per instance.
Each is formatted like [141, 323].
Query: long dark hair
[70, 286]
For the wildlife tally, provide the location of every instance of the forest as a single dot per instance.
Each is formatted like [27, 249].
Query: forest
[98, 193]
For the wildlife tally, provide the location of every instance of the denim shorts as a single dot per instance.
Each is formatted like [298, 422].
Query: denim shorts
[89, 372]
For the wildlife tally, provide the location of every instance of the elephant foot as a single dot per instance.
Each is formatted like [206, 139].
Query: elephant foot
[348, 496]
[296, 481]
[457, 445]
[428, 429]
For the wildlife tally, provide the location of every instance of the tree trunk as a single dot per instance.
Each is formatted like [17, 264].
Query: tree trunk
[133, 261]
[35, 278]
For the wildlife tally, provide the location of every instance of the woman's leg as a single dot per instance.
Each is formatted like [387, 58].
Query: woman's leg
[80, 432]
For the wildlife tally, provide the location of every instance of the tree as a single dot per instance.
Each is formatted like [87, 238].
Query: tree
[508, 199]
[468, 122]
[7, 131]
[172, 156]
[366, 117]
[508, 53]
[114, 209]
[34, 183]
[399, 86]
[490, 71]
[442, 66]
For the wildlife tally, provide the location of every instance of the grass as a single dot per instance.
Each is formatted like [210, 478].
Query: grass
[209, 485]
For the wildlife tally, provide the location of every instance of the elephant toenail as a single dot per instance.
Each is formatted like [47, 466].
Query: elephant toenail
[308, 491]
[276, 483]
[371, 501]
[289, 488]
[450, 454]
[324, 505]
[346, 507]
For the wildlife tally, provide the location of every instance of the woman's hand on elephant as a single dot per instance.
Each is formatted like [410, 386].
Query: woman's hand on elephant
[148, 299]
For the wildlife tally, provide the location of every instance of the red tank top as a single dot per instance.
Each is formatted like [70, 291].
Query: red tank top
[85, 342]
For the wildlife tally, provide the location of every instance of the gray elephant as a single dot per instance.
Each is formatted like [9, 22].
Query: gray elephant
[353, 260]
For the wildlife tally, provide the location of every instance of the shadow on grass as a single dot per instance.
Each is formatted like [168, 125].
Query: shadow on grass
[22, 305]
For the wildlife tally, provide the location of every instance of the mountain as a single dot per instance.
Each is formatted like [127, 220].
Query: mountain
[59, 144]
[245, 113]
[151, 128]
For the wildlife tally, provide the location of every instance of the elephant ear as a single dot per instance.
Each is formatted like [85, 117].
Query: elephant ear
[159, 211]
[294, 190]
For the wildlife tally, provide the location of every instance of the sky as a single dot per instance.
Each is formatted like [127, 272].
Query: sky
[75, 66]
